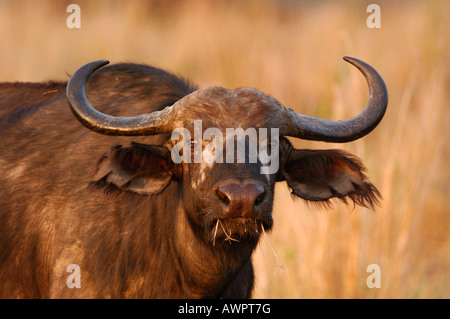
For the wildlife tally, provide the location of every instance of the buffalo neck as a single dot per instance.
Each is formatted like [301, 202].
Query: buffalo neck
[170, 259]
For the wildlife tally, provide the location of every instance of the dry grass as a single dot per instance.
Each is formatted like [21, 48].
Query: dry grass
[293, 51]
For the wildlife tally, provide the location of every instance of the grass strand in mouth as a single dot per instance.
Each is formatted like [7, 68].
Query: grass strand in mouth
[215, 233]
[228, 236]
[236, 229]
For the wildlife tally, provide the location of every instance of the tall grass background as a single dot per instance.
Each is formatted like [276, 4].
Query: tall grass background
[292, 50]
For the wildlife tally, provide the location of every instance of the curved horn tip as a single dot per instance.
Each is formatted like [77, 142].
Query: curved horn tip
[353, 61]
[96, 64]
[359, 64]
[349, 58]
[102, 61]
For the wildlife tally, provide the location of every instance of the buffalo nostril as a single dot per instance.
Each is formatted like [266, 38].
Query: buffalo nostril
[223, 196]
[258, 193]
[260, 198]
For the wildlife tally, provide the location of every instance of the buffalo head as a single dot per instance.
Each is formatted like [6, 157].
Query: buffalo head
[226, 149]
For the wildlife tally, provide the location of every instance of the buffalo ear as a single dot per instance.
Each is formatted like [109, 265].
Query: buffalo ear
[138, 168]
[325, 174]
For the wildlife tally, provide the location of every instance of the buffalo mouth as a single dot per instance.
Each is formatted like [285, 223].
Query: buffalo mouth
[237, 230]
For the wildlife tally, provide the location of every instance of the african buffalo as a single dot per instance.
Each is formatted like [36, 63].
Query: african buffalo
[115, 200]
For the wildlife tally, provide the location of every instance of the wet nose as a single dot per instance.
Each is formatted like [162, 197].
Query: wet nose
[241, 199]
